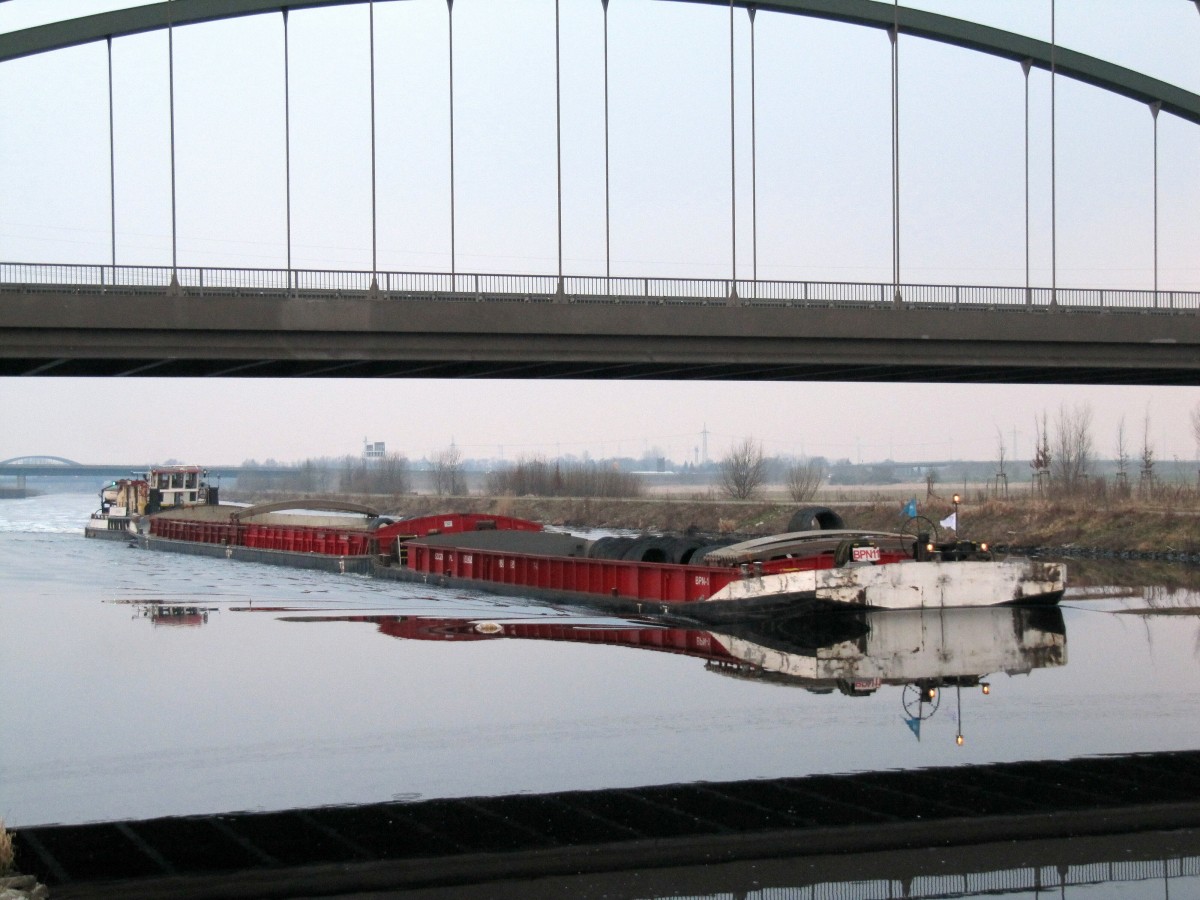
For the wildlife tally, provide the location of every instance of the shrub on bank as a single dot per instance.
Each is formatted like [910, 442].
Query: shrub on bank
[7, 853]
[538, 478]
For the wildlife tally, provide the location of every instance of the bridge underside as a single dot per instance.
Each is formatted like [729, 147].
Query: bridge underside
[156, 334]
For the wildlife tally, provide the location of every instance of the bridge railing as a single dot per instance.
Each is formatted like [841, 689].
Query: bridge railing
[580, 288]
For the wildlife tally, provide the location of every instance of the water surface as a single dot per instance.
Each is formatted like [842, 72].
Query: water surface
[136, 684]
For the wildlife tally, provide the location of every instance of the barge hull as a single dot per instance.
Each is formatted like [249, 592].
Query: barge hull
[640, 588]
[110, 534]
[929, 585]
[358, 565]
[713, 612]
[111, 528]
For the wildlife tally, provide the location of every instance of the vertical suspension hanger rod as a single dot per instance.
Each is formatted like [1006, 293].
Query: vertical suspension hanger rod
[1154, 109]
[894, 33]
[558, 137]
[607, 216]
[1026, 65]
[171, 91]
[753, 153]
[287, 146]
[453, 248]
[112, 165]
[732, 166]
[374, 233]
[1053, 163]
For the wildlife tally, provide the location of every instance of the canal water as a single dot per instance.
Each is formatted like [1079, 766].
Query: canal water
[137, 684]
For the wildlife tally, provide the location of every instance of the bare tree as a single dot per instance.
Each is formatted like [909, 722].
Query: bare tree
[743, 470]
[448, 478]
[1072, 449]
[392, 474]
[1196, 429]
[1146, 475]
[804, 478]
[1042, 456]
[1001, 459]
[385, 475]
[1122, 459]
[539, 478]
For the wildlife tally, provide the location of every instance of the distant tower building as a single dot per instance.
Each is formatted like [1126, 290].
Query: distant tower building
[373, 450]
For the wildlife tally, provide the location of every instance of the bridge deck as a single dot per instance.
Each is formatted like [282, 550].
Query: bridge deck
[525, 327]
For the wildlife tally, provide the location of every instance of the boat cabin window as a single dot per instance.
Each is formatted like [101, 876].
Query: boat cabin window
[176, 481]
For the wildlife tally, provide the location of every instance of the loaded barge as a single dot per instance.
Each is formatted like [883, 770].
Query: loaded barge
[703, 579]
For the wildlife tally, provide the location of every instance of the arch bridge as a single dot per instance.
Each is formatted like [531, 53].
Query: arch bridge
[38, 461]
[122, 319]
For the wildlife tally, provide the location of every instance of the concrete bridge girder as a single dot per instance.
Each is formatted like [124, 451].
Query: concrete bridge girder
[269, 335]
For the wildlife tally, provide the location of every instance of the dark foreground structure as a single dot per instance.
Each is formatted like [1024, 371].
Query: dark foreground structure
[923, 833]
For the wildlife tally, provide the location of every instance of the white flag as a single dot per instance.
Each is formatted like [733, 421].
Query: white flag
[951, 521]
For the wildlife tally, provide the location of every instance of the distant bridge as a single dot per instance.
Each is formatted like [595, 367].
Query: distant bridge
[37, 461]
[58, 467]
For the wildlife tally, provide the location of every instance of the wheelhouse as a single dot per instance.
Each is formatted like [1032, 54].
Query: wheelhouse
[175, 486]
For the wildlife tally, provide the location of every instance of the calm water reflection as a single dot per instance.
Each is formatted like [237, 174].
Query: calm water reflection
[135, 684]
[854, 654]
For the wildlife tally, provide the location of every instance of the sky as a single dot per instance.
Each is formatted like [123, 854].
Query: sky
[820, 206]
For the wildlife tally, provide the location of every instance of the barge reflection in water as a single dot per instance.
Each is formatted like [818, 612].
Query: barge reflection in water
[856, 654]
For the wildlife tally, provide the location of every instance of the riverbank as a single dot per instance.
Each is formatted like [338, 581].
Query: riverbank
[1079, 529]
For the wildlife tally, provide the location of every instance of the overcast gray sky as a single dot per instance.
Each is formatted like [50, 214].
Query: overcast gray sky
[824, 206]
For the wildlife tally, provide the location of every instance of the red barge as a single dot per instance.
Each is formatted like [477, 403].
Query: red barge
[698, 578]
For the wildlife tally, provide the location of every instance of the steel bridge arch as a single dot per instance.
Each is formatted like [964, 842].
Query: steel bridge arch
[868, 13]
[37, 461]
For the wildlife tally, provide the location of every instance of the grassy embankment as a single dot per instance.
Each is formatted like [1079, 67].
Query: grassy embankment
[1024, 521]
